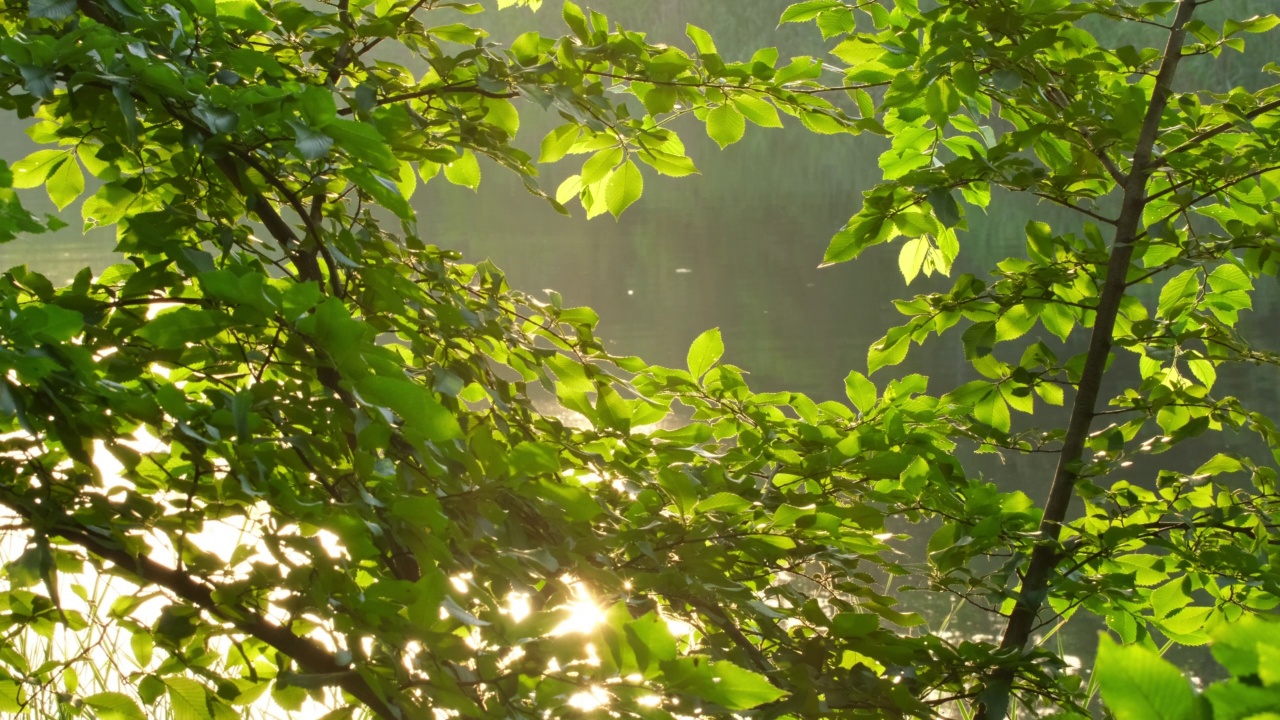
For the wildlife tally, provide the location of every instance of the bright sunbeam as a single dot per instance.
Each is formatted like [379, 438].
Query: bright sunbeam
[588, 700]
[518, 606]
[585, 613]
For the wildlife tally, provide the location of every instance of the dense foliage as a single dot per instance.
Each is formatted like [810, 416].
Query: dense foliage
[289, 447]
[1137, 683]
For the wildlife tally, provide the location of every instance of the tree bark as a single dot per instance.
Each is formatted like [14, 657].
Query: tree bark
[995, 699]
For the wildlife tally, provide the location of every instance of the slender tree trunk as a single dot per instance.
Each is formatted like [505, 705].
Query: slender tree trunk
[995, 699]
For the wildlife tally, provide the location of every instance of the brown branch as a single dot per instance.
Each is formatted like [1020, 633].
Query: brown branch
[724, 86]
[428, 92]
[310, 655]
[1073, 206]
[306, 256]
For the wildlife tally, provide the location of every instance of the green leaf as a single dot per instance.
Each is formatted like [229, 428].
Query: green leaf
[993, 411]
[623, 188]
[912, 256]
[661, 99]
[852, 625]
[188, 699]
[171, 329]
[578, 504]
[822, 123]
[1204, 371]
[701, 40]
[863, 231]
[416, 404]
[940, 100]
[363, 144]
[650, 640]
[574, 18]
[600, 165]
[1137, 684]
[1218, 464]
[66, 183]
[722, 683]
[722, 502]
[142, 644]
[460, 33]
[12, 697]
[1225, 278]
[407, 183]
[384, 191]
[861, 392]
[945, 207]
[114, 706]
[1256, 24]
[1057, 319]
[1242, 700]
[557, 142]
[757, 110]
[49, 322]
[464, 171]
[34, 169]
[310, 144]
[979, 340]
[889, 350]
[51, 9]
[837, 21]
[705, 352]
[1236, 645]
[243, 14]
[502, 114]
[318, 106]
[726, 125]
[805, 11]
[966, 78]
[667, 163]
[534, 457]
[1178, 293]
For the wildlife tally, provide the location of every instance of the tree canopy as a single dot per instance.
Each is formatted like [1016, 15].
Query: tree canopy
[289, 447]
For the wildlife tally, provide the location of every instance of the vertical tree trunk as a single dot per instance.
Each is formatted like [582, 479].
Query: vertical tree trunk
[995, 699]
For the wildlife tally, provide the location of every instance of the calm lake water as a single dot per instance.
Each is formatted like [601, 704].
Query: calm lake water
[736, 247]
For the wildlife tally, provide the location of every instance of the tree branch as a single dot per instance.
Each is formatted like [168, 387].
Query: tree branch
[428, 92]
[1219, 129]
[1077, 208]
[310, 655]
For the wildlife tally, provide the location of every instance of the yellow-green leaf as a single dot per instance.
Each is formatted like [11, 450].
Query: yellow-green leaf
[188, 699]
[726, 125]
[757, 110]
[464, 171]
[35, 168]
[624, 187]
[705, 352]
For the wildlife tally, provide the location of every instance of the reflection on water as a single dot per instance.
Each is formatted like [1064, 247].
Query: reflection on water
[736, 247]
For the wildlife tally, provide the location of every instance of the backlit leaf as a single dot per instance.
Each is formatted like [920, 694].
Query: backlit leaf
[114, 706]
[1139, 685]
[464, 171]
[623, 188]
[726, 125]
[188, 699]
[705, 352]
